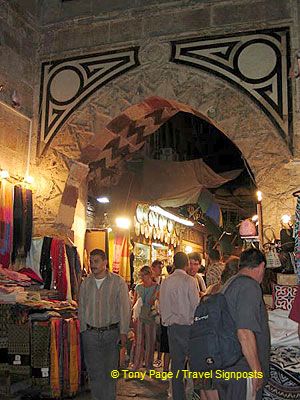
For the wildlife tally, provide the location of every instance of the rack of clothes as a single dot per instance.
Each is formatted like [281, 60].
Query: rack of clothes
[15, 222]
[40, 350]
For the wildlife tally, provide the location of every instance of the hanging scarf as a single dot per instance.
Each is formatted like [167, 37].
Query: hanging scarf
[55, 356]
[74, 370]
[45, 263]
[28, 217]
[22, 222]
[6, 222]
[297, 238]
[75, 270]
[59, 277]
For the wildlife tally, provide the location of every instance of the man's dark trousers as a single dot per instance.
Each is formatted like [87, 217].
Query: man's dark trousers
[179, 336]
[101, 355]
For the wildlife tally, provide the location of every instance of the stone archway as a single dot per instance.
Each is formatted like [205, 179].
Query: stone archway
[117, 119]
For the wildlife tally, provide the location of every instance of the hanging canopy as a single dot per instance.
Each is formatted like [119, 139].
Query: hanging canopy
[175, 183]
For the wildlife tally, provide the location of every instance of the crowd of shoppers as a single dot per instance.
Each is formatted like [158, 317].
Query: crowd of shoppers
[164, 308]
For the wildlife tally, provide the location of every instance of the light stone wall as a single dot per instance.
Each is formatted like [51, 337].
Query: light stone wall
[18, 72]
[73, 28]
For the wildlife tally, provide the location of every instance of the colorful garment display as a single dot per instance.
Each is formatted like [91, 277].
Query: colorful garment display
[297, 238]
[6, 222]
[75, 270]
[22, 222]
[55, 354]
[120, 255]
[34, 256]
[59, 272]
[45, 262]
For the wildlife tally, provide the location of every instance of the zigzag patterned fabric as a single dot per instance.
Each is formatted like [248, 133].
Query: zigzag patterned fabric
[297, 238]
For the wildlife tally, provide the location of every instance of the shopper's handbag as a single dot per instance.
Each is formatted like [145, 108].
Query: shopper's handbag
[146, 314]
[136, 309]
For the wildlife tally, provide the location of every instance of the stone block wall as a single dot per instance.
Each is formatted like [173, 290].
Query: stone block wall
[56, 30]
[18, 67]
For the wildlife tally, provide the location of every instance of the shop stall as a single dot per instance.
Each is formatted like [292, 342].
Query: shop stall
[39, 284]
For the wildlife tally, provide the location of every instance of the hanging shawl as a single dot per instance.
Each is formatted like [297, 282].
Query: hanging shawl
[297, 238]
[6, 222]
[22, 222]
[45, 263]
[59, 277]
[75, 270]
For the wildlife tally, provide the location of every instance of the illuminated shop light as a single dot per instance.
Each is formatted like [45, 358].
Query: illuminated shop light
[259, 195]
[123, 223]
[29, 179]
[286, 219]
[171, 216]
[188, 249]
[103, 200]
[4, 174]
[254, 218]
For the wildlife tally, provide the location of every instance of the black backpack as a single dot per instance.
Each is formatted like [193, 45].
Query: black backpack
[213, 341]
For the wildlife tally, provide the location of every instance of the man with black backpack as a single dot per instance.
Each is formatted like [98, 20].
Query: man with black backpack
[246, 306]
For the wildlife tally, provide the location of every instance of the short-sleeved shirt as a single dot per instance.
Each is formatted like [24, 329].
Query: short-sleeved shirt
[247, 308]
[147, 293]
[213, 274]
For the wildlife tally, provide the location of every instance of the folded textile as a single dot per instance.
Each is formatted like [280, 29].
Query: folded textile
[45, 316]
[13, 275]
[31, 274]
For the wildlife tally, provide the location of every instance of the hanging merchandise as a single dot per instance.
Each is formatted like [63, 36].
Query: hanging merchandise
[59, 277]
[297, 237]
[6, 222]
[22, 231]
[214, 212]
[247, 228]
[121, 256]
[75, 270]
[46, 263]
[34, 256]
[287, 240]
[272, 257]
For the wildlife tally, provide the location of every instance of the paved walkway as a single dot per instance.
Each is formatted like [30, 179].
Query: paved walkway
[135, 389]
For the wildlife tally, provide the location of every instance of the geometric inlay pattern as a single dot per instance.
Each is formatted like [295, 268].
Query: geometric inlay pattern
[257, 62]
[67, 83]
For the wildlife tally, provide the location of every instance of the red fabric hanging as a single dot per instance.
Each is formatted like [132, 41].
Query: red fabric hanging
[59, 277]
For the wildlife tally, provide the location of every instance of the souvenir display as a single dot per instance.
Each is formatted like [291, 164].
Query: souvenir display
[139, 213]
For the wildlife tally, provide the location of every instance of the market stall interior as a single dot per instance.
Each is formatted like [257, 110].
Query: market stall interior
[187, 169]
[188, 188]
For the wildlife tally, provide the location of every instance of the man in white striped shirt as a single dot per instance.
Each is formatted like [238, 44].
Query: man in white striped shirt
[104, 314]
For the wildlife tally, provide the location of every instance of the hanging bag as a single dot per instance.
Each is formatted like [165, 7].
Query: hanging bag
[247, 228]
[136, 309]
[272, 258]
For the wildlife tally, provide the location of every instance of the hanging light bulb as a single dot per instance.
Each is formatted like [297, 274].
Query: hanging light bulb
[4, 174]
[29, 179]
[259, 195]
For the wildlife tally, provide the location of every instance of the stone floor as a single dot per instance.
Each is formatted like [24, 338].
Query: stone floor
[136, 389]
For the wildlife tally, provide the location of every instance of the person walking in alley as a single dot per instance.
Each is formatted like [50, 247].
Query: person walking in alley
[104, 314]
[179, 298]
[245, 301]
